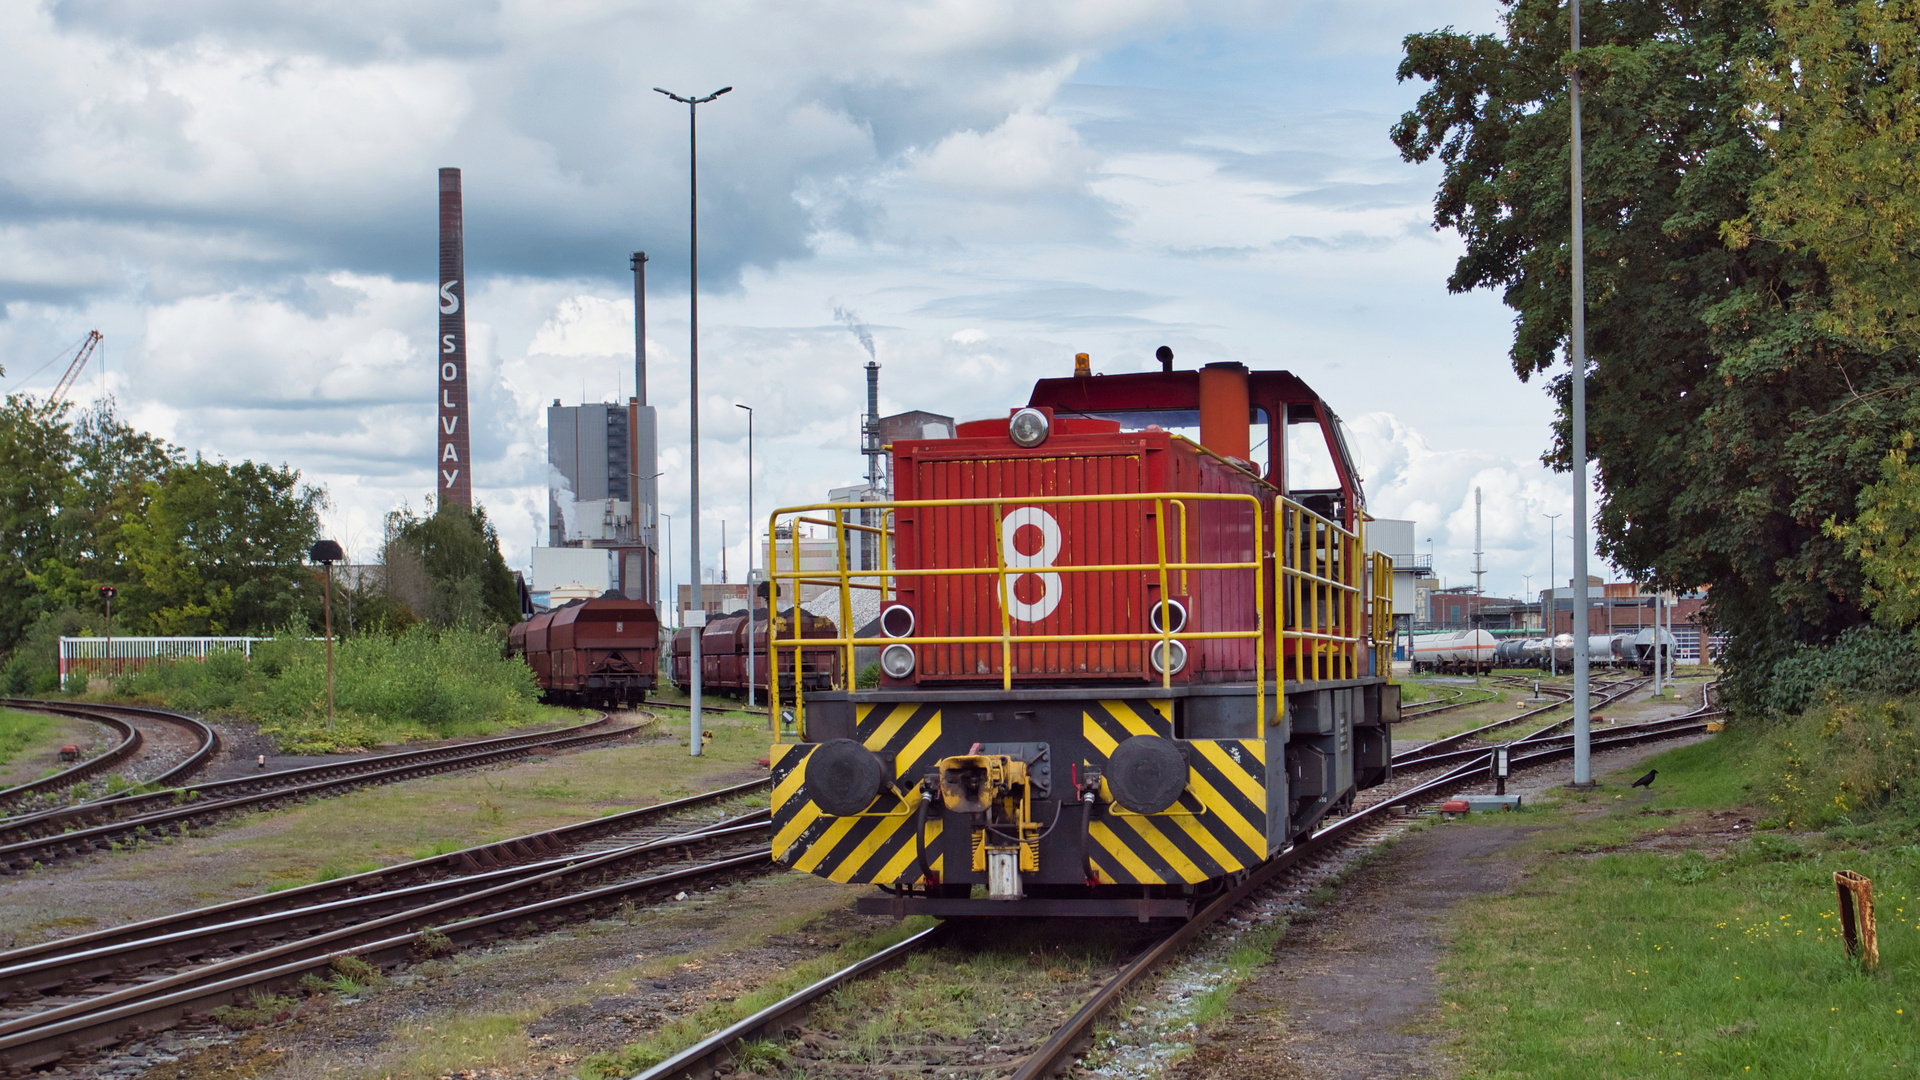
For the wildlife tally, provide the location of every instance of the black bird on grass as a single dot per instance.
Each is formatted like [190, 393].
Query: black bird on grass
[1647, 780]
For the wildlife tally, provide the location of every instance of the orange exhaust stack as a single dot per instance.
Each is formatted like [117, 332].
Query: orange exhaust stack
[1224, 410]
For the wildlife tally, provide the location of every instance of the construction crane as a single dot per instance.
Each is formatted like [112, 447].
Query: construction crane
[73, 369]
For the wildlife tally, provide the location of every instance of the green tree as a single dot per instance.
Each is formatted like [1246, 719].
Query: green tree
[221, 549]
[1838, 103]
[36, 456]
[1726, 425]
[446, 567]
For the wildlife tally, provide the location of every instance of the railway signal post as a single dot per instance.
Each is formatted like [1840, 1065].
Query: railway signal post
[106, 593]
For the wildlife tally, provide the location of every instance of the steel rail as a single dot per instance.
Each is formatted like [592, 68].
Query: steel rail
[512, 851]
[704, 1058]
[190, 994]
[204, 734]
[128, 744]
[1053, 1054]
[110, 809]
[326, 928]
[1414, 754]
[187, 805]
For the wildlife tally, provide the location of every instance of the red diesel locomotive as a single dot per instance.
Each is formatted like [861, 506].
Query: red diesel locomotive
[601, 651]
[1128, 654]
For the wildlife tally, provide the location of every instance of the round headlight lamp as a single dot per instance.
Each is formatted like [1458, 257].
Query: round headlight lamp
[897, 660]
[1167, 657]
[1029, 428]
[897, 621]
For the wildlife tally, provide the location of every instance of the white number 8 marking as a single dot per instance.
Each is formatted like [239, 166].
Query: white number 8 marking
[1051, 589]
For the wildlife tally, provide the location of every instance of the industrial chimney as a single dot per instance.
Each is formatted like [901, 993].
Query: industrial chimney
[454, 465]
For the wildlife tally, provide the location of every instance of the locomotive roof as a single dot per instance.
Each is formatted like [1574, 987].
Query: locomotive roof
[1160, 390]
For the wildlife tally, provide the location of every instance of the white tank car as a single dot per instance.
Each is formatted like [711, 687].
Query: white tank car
[1469, 652]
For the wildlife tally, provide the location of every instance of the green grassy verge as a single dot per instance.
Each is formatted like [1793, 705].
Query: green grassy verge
[20, 730]
[423, 684]
[1708, 951]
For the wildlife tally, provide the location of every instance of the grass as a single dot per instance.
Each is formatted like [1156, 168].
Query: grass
[1718, 960]
[20, 731]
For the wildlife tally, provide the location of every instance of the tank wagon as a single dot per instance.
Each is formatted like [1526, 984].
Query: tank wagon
[1619, 650]
[601, 651]
[1123, 658]
[723, 654]
[1469, 652]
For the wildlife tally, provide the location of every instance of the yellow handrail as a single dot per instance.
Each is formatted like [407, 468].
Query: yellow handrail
[886, 579]
[1318, 597]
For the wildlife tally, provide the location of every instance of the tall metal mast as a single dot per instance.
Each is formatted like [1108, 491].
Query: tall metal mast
[1577, 449]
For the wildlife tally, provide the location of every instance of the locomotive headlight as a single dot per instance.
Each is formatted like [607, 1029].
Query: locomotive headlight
[1167, 657]
[1167, 617]
[897, 660]
[1028, 428]
[897, 621]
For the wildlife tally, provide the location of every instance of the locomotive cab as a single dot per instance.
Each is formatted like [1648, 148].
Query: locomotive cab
[1124, 658]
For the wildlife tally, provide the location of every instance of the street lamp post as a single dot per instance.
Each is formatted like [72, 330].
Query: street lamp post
[753, 672]
[1553, 589]
[697, 614]
[673, 598]
[326, 553]
[1577, 448]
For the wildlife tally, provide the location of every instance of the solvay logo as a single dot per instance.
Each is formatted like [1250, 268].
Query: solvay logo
[1010, 553]
[449, 303]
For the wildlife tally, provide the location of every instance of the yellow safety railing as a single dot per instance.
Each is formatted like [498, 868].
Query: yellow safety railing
[788, 581]
[1319, 595]
[1380, 619]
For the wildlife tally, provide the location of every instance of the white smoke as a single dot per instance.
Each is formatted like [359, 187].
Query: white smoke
[859, 329]
[563, 497]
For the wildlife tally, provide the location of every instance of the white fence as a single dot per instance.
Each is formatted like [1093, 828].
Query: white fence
[98, 655]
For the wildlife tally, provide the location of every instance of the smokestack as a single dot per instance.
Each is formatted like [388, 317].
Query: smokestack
[456, 475]
[872, 425]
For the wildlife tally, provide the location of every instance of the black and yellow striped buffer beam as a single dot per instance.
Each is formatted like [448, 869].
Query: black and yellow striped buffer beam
[1218, 826]
[875, 846]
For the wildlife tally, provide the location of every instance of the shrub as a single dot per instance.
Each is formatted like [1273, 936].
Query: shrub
[1867, 659]
[1841, 762]
[423, 683]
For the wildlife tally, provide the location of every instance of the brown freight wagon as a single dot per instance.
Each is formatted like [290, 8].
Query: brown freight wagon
[600, 651]
[723, 655]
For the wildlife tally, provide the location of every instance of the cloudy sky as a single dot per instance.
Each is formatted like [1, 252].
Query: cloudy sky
[240, 194]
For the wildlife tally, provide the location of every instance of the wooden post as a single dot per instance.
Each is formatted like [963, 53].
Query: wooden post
[1856, 917]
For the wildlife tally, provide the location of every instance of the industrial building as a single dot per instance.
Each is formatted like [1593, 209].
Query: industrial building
[602, 493]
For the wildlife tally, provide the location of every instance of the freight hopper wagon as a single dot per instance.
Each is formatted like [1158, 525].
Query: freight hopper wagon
[601, 651]
[724, 656]
[1123, 661]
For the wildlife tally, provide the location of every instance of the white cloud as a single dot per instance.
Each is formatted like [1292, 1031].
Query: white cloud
[1025, 153]
[240, 196]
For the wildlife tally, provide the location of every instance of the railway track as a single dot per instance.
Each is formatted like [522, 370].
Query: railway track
[716, 1052]
[1607, 693]
[1430, 708]
[68, 998]
[39, 839]
[139, 732]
